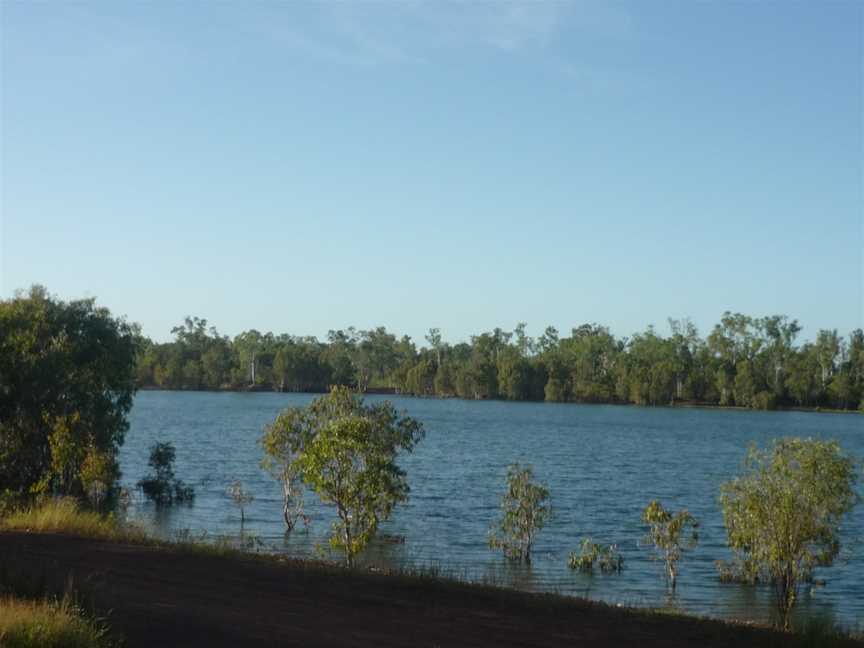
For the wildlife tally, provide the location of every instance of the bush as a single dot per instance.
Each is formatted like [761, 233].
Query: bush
[668, 534]
[607, 557]
[524, 511]
[764, 400]
[163, 488]
[783, 515]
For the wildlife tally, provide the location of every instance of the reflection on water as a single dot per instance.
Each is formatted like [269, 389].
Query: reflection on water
[602, 464]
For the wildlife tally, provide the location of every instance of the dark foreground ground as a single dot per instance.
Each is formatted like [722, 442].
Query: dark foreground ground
[161, 597]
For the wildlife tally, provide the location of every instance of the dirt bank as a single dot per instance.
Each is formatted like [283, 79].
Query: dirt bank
[160, 597]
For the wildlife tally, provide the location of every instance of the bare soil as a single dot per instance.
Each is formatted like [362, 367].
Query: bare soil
[163, 597]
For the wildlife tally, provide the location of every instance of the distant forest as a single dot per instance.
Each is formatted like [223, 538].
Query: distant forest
[744, 361]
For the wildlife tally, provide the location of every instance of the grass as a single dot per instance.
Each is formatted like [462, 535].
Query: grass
[64, 515]
[48, 624]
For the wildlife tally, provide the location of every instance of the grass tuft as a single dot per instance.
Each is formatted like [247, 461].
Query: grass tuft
[48, 624]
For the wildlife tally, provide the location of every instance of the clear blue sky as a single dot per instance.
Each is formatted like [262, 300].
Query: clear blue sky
[298, 167]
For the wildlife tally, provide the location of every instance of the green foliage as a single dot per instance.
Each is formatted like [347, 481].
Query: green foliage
[162, 487]
[783, 514]
[670, 534]
[607, 557]
[67, 373]
[345, 452]
[744, 361]
[524, 512]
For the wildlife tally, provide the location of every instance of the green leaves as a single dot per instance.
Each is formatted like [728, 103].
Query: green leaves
[345, 452]
[66, 386]
[163, 488]
[783, 515]
[524, 511]
[671, 534]
[607, 557]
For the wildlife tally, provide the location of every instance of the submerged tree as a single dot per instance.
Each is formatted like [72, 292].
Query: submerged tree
[783, 514]
[345, 452]
[241, 498]
[162, 487]
[524, 511]
[607, 557]
[671, 534]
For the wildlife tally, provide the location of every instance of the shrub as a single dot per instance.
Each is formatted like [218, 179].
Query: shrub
[668, 535]
[163, 488]
[608, 558]
[524, 511]
[783, 515]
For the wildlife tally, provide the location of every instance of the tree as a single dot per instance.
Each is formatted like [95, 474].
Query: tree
[668, 534]
[345, 452]
[67, 378]
[163, 488]
[240, 497]
[434, 339]
[782, 516]
[524, 512]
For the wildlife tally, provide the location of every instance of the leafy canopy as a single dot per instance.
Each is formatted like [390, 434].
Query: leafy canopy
[66, 387]
[524, 511]
[345, 451]
[783, 514]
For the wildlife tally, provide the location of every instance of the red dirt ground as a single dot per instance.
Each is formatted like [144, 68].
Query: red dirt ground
[160, 597]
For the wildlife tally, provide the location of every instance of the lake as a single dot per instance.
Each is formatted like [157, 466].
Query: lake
[602, 464]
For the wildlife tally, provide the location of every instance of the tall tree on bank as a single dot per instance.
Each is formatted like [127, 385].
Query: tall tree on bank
[67, 377]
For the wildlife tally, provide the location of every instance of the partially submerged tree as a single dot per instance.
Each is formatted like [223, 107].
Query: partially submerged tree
[783, 514]
[240, 497]
[344, 451]
[524, 511]
[162, 487]
[607, 557]
[671, 534]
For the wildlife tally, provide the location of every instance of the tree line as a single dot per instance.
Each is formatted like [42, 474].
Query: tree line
[744, 361]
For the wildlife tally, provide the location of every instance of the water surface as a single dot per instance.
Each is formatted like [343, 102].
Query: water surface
[601, 463]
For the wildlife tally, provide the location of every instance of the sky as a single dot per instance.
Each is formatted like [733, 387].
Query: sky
[299, 167]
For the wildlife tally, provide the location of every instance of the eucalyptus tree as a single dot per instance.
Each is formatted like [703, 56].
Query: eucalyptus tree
[783, 515]
[345, 452]
[670, 535]
[827, 348]
[780, 333]
[524, 512]
[434, 340]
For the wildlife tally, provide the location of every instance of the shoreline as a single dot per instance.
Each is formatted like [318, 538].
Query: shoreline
[193, 596]
[391, 391]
